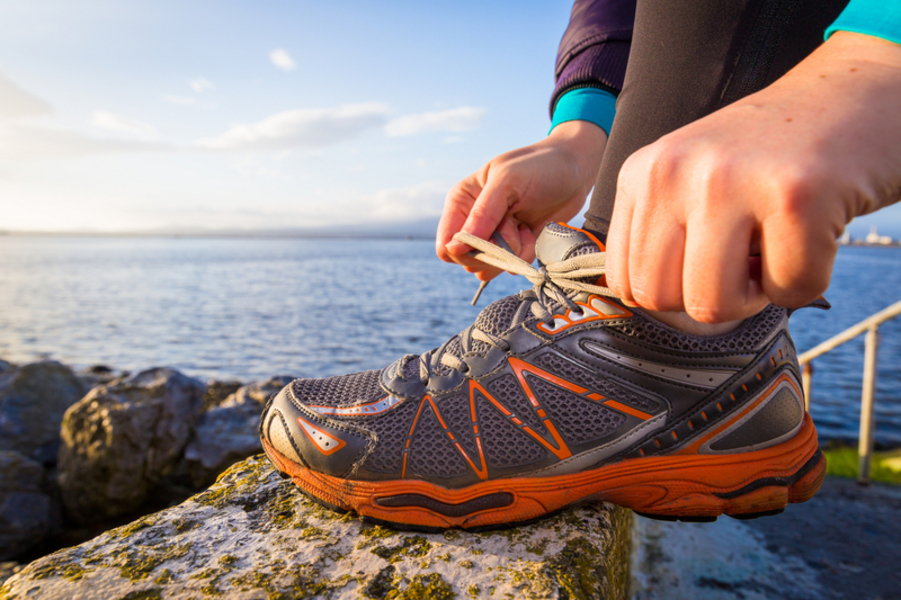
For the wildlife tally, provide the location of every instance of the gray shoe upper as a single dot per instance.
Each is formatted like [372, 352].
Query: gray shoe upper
[513, 395]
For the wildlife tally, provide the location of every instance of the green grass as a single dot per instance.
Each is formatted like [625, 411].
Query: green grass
[842, 462]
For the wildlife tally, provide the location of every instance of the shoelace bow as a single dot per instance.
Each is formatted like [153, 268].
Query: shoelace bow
[551, 283]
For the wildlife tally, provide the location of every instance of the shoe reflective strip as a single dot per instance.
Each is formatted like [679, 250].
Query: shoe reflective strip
[596, 309]
[703, 378]
[372, 408]
[327, 443]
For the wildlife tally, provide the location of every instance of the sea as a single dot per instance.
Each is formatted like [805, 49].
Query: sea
[250, 308]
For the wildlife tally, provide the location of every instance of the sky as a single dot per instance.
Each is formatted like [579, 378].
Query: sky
[226, 115]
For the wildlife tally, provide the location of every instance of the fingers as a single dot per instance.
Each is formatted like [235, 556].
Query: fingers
[619, 236]
[716, 279]
[798, 248]
[457, 206]
[485, 217]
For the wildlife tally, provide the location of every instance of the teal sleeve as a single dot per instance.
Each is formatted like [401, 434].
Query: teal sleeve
[880, 18]
[586, 104]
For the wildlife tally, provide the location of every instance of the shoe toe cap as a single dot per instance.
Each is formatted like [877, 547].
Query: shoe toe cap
[309, 440]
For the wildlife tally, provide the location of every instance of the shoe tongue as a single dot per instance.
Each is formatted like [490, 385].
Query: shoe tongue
[559, 242]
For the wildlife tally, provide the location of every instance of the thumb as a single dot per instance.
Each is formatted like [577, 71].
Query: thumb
[486, 215]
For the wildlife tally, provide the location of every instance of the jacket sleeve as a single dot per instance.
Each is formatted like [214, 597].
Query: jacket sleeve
[595, 47]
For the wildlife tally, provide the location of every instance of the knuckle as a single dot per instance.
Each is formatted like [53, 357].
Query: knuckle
[714, 313]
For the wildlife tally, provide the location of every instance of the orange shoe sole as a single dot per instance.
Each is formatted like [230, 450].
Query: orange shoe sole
[685, 487]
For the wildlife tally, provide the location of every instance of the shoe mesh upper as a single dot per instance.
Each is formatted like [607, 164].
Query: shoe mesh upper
[578, 419]
[391, 430]
[505, 445]
[341, 390]
[497, 316]
[743, 339]
[456, 413]
[432, 454]
[558, 365]
[509, 393]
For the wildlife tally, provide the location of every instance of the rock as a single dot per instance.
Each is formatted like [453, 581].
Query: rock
[229, 432]
[4, 365]
[219, 391]
[33, 399]
[27, 513]
[100, 375]
[253, 535]
[121, 439]
[8, 569]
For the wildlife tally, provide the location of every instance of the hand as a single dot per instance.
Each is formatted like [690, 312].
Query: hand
[780, 172]
[519, 192]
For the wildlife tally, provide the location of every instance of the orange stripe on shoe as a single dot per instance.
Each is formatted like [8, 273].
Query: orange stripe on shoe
[693, 447]
[627, 409]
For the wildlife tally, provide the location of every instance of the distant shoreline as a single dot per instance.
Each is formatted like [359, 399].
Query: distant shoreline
[218, 235]
[311, 235]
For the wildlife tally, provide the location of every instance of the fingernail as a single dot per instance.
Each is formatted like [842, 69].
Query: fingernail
[455, 247]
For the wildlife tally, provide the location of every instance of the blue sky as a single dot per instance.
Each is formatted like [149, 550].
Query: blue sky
[143, 115]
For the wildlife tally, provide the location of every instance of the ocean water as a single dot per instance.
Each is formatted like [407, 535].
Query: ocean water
[248, 309]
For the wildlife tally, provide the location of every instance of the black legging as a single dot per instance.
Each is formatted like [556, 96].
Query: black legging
[692, 57]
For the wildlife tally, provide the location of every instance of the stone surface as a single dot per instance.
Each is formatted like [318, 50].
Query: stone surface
[27, 513]
[8, 569]
[33, 399]
[219, 391]
[229, 432]
[253, 535]
[122, 438]
[100, 375]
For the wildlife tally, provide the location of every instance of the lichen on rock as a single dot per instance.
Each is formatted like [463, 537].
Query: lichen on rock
[253, 535]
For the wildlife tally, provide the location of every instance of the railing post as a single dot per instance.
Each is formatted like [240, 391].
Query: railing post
[806, 374]
[865, 446]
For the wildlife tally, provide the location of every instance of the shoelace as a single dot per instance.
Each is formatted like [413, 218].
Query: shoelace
[553, 282]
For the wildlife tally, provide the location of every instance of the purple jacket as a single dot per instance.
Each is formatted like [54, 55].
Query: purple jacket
[595, 47]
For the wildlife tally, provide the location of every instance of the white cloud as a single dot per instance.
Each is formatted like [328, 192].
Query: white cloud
[405, 204]
[123, 124]
[16, 103]
[456, 120]
[281, 59]
[200, 84]
[26, 141]
[186, 100]
[21, 138]
[304, 128]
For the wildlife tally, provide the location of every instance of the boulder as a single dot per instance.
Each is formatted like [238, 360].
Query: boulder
[33, 399]
[100, 375]
[27, 513]
[122, 438]
[229, 432]
[219, 391]
[254, 536]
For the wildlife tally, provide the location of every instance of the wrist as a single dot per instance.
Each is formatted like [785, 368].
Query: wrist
[584, 143]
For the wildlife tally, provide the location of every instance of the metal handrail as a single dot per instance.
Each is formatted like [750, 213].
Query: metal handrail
[870, 325]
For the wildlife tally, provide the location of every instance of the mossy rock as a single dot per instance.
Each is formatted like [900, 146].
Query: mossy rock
[252, 535]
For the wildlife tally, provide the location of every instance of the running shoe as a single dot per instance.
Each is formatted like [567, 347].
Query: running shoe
[557, 395]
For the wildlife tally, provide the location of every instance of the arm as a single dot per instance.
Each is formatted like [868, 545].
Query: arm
[520, 191]
[779, 172]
